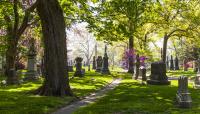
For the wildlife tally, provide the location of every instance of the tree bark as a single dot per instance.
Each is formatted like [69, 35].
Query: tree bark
[131, 45]
[164, 48]
[12, 78]
[55, 53]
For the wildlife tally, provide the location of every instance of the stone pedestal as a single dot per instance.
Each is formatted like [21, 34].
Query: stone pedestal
[183, 97]
[158, 74]
[31, 74]
[99, 63]
[78, 71]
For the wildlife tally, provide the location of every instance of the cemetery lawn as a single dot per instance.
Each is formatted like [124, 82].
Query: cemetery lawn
[19, 100]
[177, 73]
[130, 97]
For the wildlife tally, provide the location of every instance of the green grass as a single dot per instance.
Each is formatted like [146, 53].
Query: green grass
[178, 73]
[18, 100]
[130, 97]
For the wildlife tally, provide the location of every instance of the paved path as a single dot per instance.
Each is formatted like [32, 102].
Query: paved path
[89, 99]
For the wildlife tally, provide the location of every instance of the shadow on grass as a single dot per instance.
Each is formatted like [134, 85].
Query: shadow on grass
[130, 97]
[21, 103]
[181, 73]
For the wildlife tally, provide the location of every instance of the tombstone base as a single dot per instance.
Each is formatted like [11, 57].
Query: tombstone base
[184, 100]
[31, 76]
[157, 82]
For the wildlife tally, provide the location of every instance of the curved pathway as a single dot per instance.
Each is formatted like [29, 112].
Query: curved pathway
[89, 99]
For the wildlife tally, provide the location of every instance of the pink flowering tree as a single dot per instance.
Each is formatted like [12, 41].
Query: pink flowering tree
[127, 56]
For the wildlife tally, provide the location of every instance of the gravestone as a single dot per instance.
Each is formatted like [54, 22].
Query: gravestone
[167, 63]
[183, 97]
[70, 66]
[105, 69]
[171, 63]
[176, 63]
[143, 73]
[78, 71]
[94, 63]
[99, 63]
[158, 74]
[137, 67]
[197, 81]
[31, 73]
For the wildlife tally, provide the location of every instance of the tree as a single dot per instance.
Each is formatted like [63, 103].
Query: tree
[119, 20]
[14, 26]
[53, 27]
[170, 20]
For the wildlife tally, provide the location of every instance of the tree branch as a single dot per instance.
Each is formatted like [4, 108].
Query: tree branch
[16, 14]
[25, 24]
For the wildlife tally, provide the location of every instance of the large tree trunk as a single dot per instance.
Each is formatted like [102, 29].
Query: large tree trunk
[131, 45]
[11, 52]
[53, 27]
[164, 48]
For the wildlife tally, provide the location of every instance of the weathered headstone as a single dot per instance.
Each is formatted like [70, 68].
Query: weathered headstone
[78, 71]
[143, 72]
[70, 66]
[176, 63]
[183, 97]
[171, 63]
[137, 66]
[105, 69]
[158, 74]
[99, 63]
[32, 74]
[94, 63]
[167, 63]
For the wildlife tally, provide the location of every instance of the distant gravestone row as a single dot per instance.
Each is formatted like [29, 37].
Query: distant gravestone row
[172, 64]
[100, 65]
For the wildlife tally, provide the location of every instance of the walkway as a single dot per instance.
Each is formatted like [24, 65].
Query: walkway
[89, 99]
